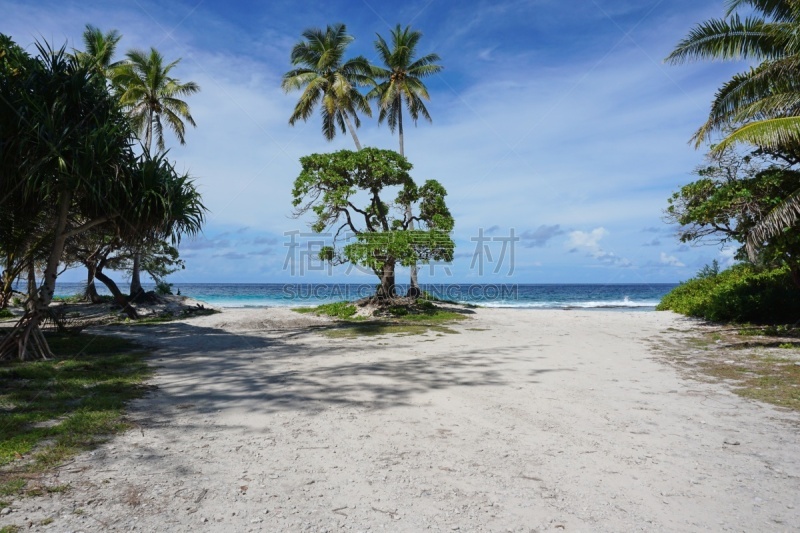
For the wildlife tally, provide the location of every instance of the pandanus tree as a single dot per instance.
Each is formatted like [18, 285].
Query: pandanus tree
[398, 84]
[328, 81]
[66, 150]
[168, 206]
[760, 106]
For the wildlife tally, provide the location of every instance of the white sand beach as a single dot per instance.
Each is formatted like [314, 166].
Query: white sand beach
[520, 421]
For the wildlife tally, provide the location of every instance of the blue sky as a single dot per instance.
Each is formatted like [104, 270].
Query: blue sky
[557, 121]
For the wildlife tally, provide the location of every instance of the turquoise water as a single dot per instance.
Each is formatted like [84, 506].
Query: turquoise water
[557, 296]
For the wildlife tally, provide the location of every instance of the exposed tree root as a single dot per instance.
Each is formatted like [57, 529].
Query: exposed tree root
[25, 340]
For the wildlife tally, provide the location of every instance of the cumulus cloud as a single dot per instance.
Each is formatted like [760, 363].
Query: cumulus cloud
[670, 260]
[590, 242]
[540, 236]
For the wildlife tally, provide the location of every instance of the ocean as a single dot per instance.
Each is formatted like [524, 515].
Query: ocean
[642, 297]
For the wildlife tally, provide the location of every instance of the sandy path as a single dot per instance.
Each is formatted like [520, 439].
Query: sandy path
[525, 420]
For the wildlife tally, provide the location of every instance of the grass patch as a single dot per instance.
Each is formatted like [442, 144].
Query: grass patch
[341, 310]
[52, 410]
[760, 367]
[768, 379]
[416, 318]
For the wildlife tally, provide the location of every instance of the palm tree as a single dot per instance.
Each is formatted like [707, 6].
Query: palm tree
[99, 49]
[400, 83]
[152, 97]
[762, 105]
[326, 79]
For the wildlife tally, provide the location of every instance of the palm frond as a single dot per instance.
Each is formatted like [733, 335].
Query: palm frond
[784, 216]
[773, 9]
[771, 134]
[732, 39]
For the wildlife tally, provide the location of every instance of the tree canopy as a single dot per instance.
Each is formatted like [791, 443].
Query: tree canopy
[349, 195]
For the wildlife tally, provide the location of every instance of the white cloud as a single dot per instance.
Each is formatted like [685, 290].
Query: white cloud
[670, 260]
[590, 240]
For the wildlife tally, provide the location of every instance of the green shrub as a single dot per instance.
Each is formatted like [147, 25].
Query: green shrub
[5, 313]
[336, 309]
[163, 288]
[742, 293]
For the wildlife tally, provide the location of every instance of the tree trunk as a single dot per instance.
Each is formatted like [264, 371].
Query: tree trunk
[352, 130]
[387, 288]
[7, 289]
[31, 286]
[91, 286]
[413, 289]
[48, 288]
[400, 128]
[119, 298]
[26, 338]
[136, 284]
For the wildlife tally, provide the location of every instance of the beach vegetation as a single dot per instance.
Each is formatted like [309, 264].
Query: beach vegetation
[341, 310]
[328, 81]
[743, 293]
[731, 198]
[348, 194]
[73, 173]
[759, 106]
[153, 99]
[52, 410]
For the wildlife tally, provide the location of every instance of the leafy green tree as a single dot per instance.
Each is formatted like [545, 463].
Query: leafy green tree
[152, 97]
[399, 83]
[168, 207]
[347, 194]
[732, 196]
[328, 81]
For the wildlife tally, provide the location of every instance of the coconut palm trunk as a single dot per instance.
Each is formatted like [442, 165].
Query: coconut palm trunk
[413, 290]
[352, 130]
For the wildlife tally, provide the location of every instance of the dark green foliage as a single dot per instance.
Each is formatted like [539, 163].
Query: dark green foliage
[740, 294]
[5, 313]
[163, 288]
[732, 195]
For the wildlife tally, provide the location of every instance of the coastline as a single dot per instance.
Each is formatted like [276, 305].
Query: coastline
[549, 420]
